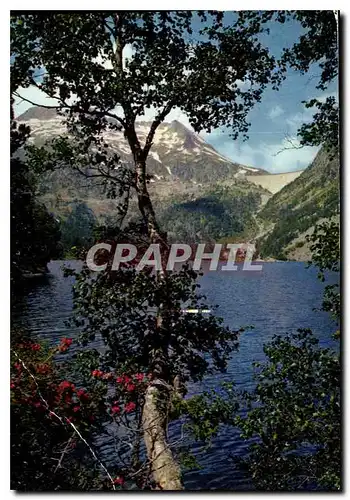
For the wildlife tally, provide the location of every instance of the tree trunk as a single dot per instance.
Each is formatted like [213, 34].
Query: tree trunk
[165, 469]
[145, 205]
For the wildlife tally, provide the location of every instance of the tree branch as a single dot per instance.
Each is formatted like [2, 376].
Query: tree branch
[159, 119]
[66, 448]
[292, 146]
[35, 104]
[74, 107]
[110, 29]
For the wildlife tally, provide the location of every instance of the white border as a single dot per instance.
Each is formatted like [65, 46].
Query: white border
[4, 186]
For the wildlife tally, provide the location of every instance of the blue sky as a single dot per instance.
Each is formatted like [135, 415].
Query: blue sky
[278, 117]
[274, 120]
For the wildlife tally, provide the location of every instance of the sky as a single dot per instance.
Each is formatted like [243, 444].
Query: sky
[274, 121]
[277, 118]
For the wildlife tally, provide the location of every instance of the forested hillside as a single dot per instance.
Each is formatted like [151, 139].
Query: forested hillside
[219, 212]
[294, 210]
[200, 195]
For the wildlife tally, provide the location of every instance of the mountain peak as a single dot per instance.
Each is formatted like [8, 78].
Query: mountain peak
[177, 123]
[38, 113]
[177, 126]
[177, 152]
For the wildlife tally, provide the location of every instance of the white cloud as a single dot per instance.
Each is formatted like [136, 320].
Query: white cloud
[243, 85]
[264, 155]
[275, 112]
[306, 115]
[287, 157]
[323, 97]
[296, 120]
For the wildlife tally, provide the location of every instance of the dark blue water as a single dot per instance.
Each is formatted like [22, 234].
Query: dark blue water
[277, 300]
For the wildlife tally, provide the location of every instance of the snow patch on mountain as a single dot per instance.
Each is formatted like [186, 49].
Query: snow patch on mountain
[155, 155]
[177, 152]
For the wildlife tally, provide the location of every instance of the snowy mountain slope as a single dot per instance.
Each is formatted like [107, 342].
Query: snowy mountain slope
[177, 152]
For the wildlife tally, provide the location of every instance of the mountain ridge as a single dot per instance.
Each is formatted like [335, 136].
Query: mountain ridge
[177, 152]
[198, 194]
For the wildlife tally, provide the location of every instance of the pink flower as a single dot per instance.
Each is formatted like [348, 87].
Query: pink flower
[119, 480]
[115, 409]
[82, 394]
[66, 385]
[130, 387]
[96, 373]
[67, 398]
[65, 343]
[139, 377]
[120, 380]
[129, 407]
[43, 368]
[76, 409]
[12, 385]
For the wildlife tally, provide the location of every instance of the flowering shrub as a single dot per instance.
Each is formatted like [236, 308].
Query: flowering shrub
[53, 419]
[34, 382]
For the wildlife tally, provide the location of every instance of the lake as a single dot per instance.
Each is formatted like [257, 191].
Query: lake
[279, 299]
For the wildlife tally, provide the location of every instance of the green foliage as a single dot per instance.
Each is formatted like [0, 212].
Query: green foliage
[180, 58]
[325, 247]
[194, 61]
[121, 307]
[34, 232]
[54, 421]
[187, 460]
[204, 413]
[295, 413]
[295, 407]
[317, 45]
[77, 230]
[324, 128]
